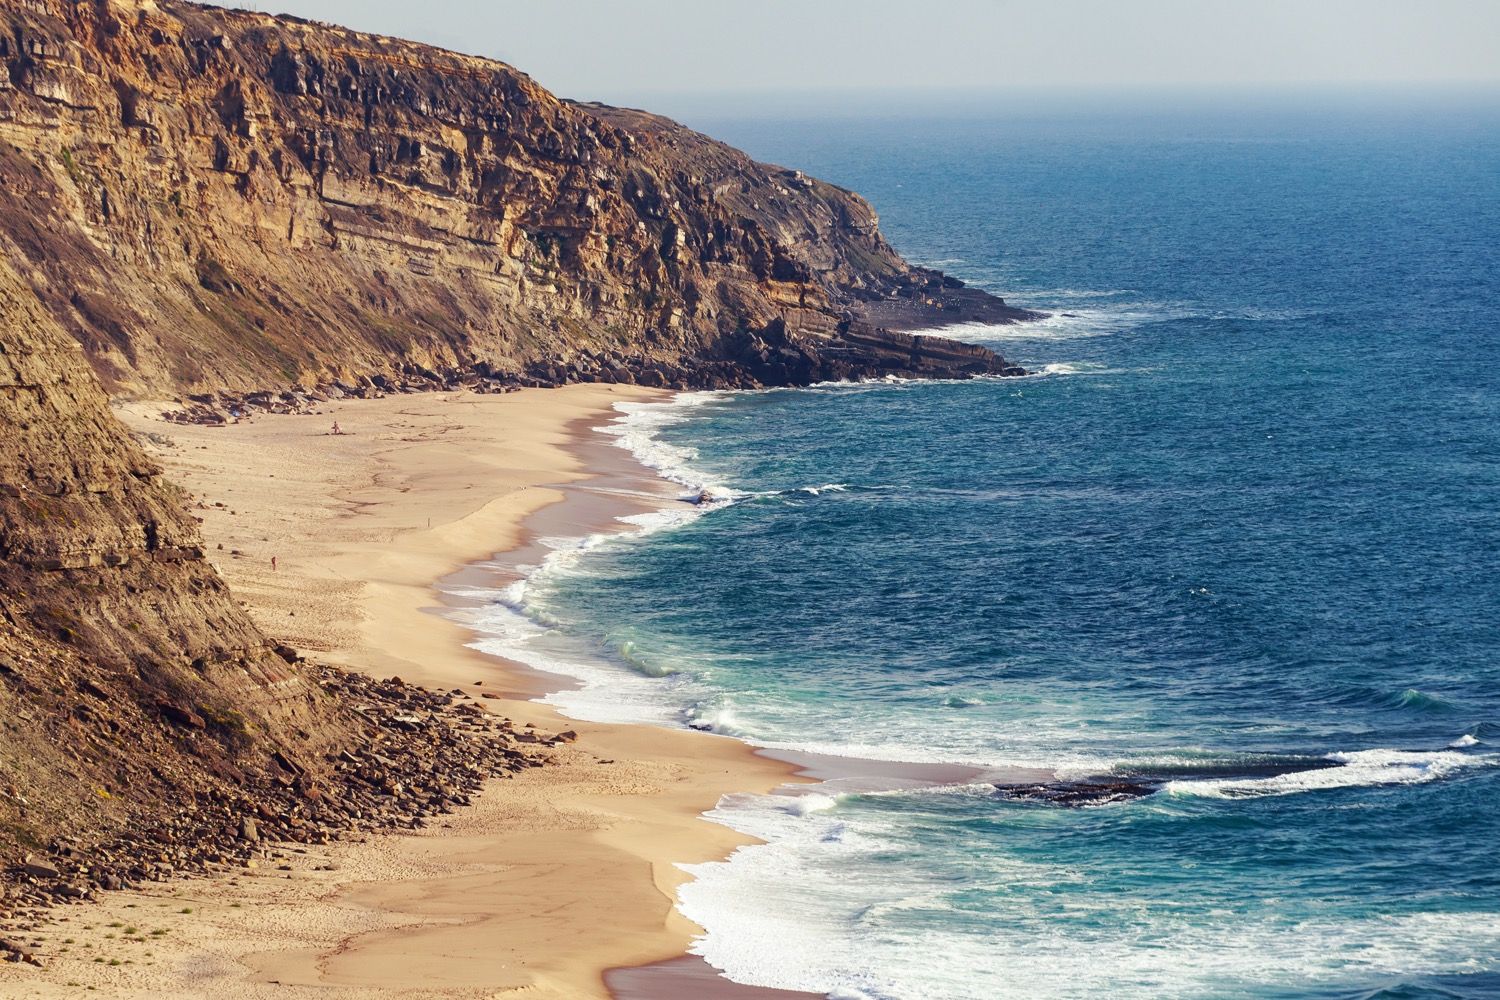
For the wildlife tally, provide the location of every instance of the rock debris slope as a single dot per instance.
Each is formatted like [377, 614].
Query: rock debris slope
[146, 720]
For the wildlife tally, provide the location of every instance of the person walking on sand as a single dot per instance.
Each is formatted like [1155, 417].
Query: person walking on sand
[273, 564]
[336, 429]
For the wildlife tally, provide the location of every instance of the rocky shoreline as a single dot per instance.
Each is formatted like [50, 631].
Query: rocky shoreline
[765, 359]
[937, 302]
[420, 755]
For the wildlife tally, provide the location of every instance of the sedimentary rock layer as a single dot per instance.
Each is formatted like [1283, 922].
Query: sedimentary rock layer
[149, 727]
[126, 669]
[211, 199]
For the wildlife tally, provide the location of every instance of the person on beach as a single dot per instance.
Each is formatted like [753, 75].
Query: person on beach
[336, 429]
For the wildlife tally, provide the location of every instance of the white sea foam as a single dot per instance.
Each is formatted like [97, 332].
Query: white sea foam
[1064, 321]
[807, 845]
[884, 382]
[608, 693]
[1364, 768]
[831, 875]
[1071, 324]
[1084, 293]
[826, 904]
[1077, 368]
[639, 432]
[974, 789]
[715, 717]
[511, 624]
[807, 803]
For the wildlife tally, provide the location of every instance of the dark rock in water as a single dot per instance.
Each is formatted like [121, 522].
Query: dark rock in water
[1078, 793]
[944, 301]
[1127, 787]
[1266, 766]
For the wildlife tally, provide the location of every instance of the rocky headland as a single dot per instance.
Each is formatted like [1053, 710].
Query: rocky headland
[246, 213]
[214, 200]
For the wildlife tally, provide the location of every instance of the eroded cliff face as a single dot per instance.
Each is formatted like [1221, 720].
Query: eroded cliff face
[146, 725]
[126, 669]
[213, 199]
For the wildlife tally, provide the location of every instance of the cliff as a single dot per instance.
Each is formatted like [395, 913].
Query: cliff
[210, 199]
[149, 727]
[127, 672]
[199, 201]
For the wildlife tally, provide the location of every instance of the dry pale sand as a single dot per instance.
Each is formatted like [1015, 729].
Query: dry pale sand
[552, 877]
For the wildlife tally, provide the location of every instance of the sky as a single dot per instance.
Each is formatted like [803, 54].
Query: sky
[622, 52]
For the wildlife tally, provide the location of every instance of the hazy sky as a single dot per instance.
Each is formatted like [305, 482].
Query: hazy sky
[613, 51]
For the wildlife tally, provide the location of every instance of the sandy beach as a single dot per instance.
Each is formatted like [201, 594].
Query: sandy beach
[553, 877]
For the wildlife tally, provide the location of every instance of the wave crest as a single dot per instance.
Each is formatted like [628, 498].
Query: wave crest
[1363, 768]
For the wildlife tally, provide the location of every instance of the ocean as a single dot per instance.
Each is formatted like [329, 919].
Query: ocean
[1206, 607]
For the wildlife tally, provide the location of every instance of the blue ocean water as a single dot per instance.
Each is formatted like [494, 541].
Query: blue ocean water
[1235, 544]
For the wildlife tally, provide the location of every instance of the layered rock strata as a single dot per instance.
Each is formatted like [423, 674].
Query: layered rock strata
[221, 200]
[127, 672]
[149, 727]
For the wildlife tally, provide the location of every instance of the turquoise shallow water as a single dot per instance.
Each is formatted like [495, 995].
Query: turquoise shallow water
[1236, 544]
